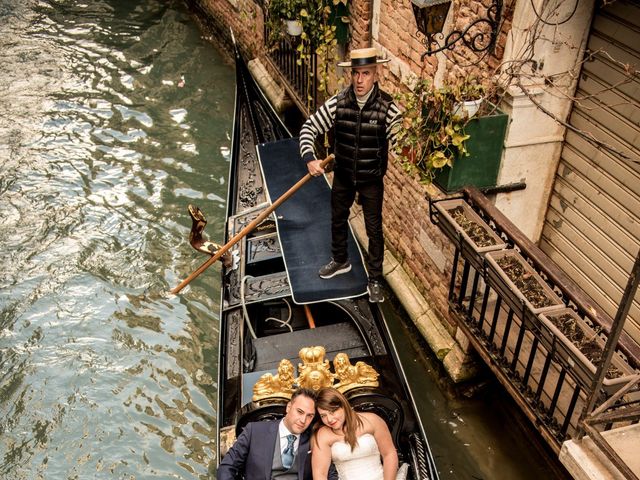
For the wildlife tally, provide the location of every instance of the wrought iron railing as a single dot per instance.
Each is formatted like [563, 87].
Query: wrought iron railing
[530, 366]
[618, 410]
[299, 77]
[614, 413]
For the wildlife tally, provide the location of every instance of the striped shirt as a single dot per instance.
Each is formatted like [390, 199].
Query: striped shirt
[324, 119]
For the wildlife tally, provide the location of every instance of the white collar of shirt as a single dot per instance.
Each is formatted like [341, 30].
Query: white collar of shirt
[283, 431]
[363, 99]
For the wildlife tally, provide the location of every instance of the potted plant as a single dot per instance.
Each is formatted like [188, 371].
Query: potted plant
[470, 94]
[520, 286]
[444, 142]
[467, 230]
[285, 13]
[433, 136]
[322, 25]
[325, 25]
[294, 27]
[581, 347]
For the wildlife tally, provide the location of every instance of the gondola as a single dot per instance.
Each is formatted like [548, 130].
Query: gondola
[274, 334]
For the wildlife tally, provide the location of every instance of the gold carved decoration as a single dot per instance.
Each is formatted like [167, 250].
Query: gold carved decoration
[279, 385]
[314, 373]
[352, 376]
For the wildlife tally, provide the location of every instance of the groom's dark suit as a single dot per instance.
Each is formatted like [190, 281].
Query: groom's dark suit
[251, 456]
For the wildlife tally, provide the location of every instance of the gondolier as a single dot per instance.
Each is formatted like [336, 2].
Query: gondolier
[365, 121]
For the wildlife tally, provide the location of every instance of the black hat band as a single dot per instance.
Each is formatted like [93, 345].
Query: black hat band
[361, 62]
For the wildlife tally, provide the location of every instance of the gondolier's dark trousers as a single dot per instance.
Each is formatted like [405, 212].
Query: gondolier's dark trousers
[343, 193]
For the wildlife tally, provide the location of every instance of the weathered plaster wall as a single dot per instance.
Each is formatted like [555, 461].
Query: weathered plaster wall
[534, 141]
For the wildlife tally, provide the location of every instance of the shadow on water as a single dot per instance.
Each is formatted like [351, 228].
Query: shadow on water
[475, 430]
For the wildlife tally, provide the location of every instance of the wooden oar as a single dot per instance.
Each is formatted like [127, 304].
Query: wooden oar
[247, 229]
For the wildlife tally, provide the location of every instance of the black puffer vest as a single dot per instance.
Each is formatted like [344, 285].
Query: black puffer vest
[361, 145]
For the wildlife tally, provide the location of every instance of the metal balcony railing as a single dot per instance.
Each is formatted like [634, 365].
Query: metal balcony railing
[542, 381]
[300, 78]
[612, 414]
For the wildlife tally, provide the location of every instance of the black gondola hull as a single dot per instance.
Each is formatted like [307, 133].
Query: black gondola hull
[261, 324]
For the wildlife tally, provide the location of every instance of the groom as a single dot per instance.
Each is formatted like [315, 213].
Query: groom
[276, 449]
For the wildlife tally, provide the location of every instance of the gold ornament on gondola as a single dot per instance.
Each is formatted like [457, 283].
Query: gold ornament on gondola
[352, 376]
[314, 373]
[196, 238]
[279, 385]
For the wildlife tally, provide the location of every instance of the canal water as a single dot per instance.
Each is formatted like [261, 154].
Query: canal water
[114, 116]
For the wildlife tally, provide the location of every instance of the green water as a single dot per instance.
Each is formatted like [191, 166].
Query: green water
[102, 373]
[476, 431]
[114, 116]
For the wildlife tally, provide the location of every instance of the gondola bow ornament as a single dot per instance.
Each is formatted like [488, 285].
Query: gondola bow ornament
[197, 240]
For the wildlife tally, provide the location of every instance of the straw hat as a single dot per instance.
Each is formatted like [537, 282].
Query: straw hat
[363, 57]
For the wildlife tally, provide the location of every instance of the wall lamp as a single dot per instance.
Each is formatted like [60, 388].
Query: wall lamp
[479, 36]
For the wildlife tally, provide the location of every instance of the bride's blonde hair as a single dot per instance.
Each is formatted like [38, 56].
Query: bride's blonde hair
[331, 399]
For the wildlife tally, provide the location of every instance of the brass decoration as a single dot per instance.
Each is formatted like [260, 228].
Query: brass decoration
[314, 373]
[352, 376]
[279, 385]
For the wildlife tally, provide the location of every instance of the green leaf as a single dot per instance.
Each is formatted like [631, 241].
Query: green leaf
[438, 159]
[457, 139]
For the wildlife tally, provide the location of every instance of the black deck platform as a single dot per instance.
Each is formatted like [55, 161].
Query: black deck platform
[304, 226]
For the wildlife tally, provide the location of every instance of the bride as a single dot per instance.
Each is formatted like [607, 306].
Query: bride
[359, 444]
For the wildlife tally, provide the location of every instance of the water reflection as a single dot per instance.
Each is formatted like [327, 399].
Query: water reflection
[107, 131]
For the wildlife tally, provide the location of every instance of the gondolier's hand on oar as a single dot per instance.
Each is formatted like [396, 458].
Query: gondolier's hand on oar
[316, 168]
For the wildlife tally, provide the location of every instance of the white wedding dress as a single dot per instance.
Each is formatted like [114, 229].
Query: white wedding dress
[363, 463]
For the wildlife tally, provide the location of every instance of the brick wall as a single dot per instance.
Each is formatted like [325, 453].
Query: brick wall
[360, 16]
[423, 251]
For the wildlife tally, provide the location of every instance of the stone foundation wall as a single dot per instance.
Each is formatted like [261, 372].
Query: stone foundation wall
[418, 245]
[244, 17]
